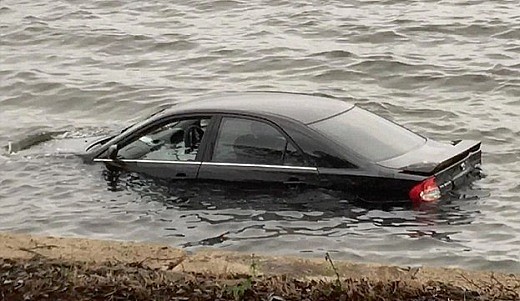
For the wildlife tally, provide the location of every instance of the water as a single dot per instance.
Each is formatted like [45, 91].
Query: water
[446, 69]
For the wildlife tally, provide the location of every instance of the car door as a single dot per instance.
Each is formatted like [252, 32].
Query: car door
[254, 151]
[168, 150]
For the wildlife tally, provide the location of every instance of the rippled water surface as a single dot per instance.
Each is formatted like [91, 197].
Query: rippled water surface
[447, 69]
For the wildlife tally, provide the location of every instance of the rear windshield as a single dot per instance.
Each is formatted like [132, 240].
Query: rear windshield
[369, 135]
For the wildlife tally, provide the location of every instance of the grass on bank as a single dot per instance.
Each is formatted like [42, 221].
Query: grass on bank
[41, 278]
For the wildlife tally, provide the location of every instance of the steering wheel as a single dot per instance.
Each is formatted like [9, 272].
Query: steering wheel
[192, 136]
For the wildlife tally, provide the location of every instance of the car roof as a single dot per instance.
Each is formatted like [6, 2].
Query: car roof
[305, 108]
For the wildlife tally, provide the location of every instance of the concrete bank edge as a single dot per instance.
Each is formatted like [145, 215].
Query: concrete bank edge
[218, 262]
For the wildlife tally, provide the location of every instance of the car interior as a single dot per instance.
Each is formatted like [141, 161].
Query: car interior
[177, 141]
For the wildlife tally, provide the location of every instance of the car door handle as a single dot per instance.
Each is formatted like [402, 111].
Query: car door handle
[180, 175]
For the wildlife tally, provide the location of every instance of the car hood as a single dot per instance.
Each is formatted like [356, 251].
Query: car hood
[431, 156]
[74, 146]
[49, 143]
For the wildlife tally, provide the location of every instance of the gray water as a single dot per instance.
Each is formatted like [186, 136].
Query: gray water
[446, 69]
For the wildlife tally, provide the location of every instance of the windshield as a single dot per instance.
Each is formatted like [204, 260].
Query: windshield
[142, 120]
[369, 135]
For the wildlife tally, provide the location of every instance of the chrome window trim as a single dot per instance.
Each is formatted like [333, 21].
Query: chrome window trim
[102, 160]
[150, 161]
[216, 164]
[260, 165]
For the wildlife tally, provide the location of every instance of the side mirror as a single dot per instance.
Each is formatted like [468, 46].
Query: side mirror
[112, 151]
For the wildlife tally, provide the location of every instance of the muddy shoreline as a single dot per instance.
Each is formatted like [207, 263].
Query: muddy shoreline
[49, 268]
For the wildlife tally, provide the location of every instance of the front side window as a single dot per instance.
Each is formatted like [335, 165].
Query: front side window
[178, 140]
[253, 142]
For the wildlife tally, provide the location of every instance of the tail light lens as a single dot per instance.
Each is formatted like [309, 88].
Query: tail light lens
[425, 192]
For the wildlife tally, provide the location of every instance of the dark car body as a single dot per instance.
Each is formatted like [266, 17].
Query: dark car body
[289, 139]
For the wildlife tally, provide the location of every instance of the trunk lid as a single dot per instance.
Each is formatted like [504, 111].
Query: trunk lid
[451, 165]
[433, 157]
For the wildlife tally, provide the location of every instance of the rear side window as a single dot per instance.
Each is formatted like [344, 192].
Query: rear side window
[253, 142]
[369, 135]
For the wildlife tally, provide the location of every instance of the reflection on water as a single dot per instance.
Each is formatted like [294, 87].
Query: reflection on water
[128, 206]
[272, 205]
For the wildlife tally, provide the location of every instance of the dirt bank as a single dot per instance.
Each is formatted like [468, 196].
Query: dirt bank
[68, 268]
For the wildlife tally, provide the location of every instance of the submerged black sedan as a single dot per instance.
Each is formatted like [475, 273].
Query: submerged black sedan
[275, 139]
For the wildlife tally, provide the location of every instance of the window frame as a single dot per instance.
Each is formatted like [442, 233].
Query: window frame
[215, 131]
[138, 133]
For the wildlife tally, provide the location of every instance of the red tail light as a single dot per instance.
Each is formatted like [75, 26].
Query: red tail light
[427, 191]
